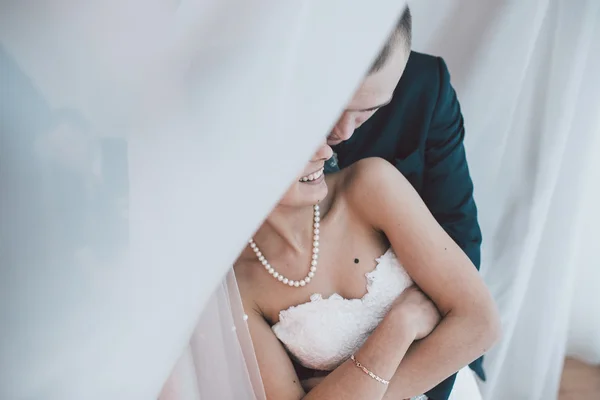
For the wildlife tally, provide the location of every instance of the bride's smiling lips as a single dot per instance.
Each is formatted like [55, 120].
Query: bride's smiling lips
[314, 177]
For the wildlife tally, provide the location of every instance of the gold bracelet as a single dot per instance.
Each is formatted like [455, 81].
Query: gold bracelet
[366, 371]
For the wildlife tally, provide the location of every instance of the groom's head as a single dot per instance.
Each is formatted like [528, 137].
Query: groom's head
[378, 86]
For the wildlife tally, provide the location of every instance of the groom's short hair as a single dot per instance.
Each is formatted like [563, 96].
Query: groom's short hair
[402, 32]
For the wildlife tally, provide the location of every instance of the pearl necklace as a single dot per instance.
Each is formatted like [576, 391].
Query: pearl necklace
[313, 263]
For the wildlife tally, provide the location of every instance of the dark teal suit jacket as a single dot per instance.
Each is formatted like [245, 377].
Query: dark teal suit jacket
[421, 132]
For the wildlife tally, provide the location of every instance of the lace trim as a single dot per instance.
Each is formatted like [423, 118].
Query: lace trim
[387, 259]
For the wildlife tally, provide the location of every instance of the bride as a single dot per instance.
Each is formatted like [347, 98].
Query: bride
[332, 281]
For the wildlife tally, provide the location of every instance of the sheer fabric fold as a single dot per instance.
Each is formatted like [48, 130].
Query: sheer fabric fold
[219, 361]
[120, 217]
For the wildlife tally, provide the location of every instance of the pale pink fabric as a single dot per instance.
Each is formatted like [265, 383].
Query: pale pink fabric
[219, 361]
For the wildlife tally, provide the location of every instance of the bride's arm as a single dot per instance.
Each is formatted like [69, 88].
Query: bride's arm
[382, 353]
[470, 322]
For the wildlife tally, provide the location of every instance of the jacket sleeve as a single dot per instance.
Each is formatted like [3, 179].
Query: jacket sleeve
[447, 184]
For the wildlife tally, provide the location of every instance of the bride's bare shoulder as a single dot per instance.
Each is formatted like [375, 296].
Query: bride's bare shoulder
[368, 173]
[246, 275]
[371, 180]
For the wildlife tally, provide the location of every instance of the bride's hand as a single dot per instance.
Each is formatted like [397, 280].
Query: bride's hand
[416, 312]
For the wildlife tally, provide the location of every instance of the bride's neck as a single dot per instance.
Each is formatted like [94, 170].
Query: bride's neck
[286, 228]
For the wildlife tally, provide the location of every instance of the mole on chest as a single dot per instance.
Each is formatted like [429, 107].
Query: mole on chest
[345, 277]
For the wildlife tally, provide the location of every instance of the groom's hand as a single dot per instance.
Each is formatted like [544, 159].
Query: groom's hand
[416, 312]
[310, 383]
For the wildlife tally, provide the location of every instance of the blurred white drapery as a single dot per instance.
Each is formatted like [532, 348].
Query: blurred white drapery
[209, 107]
[527, 77]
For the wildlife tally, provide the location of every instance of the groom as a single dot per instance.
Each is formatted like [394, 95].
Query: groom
[406, 111]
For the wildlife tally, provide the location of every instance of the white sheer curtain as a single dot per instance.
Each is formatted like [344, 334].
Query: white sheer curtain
[584, 325]
[219, 361]
[527, 77]
[208, 107]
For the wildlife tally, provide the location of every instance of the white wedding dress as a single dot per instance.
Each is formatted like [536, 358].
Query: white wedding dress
[323, 333]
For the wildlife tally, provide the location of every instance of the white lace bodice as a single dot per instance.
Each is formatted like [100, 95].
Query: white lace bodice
[323, 333]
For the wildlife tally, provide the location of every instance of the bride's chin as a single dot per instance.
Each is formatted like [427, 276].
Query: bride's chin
[317, 193]
[305, 194]
[312, 195]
